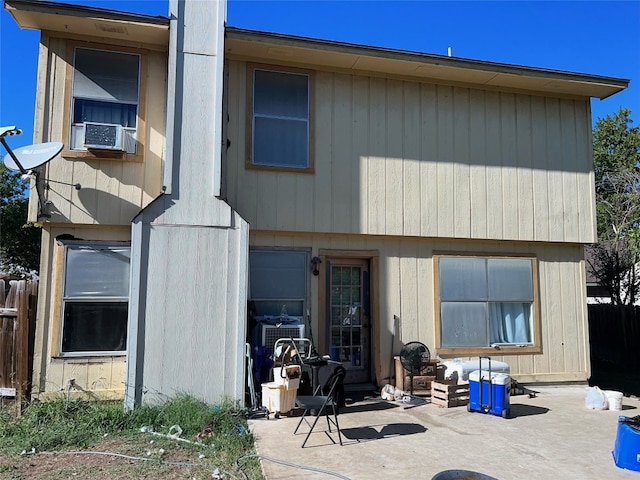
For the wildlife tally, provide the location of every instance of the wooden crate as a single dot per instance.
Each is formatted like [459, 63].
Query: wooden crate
[401, 374]
[421, 384]
[448, 393]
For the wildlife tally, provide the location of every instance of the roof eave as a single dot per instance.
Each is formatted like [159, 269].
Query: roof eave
[441, 67]
[89, 21]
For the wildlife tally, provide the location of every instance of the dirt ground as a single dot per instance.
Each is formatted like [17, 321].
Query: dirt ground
[101, 466]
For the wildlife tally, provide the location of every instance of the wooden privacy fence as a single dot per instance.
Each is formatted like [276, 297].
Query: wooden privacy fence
[614, 335]
[17, 326]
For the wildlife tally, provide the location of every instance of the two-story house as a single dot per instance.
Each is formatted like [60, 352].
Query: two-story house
[222, 167]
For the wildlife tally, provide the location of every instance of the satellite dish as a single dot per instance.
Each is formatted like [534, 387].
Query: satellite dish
[32, 156]
[27, 158]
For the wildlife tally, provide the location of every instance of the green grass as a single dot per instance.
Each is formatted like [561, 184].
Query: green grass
[61, 425]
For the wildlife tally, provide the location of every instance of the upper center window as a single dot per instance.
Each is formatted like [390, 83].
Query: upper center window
[280, 119]
[105, 100]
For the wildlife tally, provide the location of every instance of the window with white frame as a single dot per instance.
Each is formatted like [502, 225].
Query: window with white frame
[486, 301]
[279, 278]
[280, 118]
[105, 100]
[95, 300]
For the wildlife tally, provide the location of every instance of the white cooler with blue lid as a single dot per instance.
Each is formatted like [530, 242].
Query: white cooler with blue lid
[460, 370]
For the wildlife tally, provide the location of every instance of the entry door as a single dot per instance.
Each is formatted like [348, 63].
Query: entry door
[349, 328]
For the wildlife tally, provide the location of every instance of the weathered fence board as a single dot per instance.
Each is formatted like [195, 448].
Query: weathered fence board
[614, 335]
[7, 346]
[17, 327]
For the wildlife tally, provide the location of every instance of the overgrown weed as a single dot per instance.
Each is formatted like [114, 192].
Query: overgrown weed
[60, 425]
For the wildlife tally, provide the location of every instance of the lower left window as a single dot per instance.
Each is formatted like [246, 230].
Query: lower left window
[95, 302]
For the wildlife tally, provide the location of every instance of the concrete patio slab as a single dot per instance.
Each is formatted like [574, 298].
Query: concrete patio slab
[550, 436]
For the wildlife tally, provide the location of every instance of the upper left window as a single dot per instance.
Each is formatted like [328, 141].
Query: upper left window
[105, 100]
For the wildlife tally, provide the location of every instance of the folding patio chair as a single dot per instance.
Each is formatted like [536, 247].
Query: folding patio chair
[320, 405]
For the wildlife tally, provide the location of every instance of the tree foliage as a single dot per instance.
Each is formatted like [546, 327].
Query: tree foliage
[616, 154]
[19, 239]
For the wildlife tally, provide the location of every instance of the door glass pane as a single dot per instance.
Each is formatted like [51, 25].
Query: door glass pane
[346, 311]
[463, 278]
[336, 276]
[335, 315]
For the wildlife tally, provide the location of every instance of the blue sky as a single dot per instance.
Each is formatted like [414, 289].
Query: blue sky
[593, 37]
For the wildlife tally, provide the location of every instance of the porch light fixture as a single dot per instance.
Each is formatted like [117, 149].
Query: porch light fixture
[314, 265]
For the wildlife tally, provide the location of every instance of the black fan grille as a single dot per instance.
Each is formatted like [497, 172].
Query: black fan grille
[415, 357]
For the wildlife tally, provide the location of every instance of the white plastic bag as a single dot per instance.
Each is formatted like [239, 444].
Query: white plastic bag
[596, 399]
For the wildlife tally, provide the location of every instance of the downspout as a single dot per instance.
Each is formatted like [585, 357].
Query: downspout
[167, 183]
[136, 317]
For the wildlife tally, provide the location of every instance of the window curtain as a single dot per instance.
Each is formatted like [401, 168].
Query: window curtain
[510, 322]
[104, 112]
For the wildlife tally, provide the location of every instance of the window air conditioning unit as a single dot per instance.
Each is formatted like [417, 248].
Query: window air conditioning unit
[104, 136]
[271, 333]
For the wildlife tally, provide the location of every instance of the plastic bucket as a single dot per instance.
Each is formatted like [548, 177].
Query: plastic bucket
[614, 398]
[277, 398]
[626, 450]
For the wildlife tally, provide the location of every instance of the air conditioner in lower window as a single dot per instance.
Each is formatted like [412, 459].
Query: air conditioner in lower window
[271, 333]
[103, 136]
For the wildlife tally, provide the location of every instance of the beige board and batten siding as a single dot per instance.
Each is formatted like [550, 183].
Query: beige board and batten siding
[193, 323]
[406, 288]
[112, 190]
[104, 376]
[400, 157]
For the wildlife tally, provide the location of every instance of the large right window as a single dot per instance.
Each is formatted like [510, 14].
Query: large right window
[486, 302]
